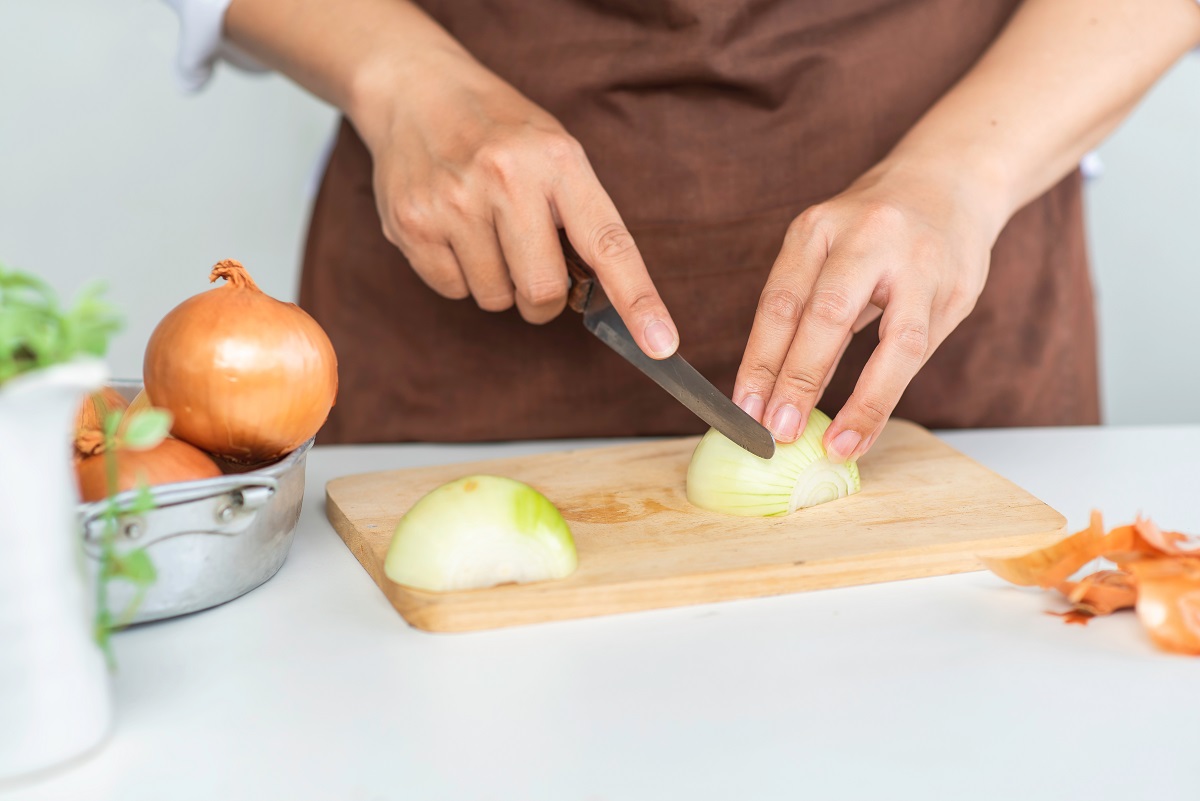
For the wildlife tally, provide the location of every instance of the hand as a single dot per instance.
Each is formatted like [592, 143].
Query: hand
[905, 243]
[473, 181]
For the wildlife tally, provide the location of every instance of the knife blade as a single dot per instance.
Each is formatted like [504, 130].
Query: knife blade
[673, 374]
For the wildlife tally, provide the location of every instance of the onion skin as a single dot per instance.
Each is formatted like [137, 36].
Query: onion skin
[246, 377]
[169, 462]
[140, 402]
[89, 417]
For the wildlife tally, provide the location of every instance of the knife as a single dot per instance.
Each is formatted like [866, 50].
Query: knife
[673, 374]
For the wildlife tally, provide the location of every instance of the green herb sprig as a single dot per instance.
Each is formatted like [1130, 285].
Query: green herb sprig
[142, 430]
[35, 332]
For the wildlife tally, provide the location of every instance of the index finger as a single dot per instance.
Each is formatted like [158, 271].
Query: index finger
[838, 297]
[597, 233]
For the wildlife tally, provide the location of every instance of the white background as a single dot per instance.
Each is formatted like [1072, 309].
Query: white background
[108, 172]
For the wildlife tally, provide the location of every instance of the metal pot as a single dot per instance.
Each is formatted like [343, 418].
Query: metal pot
[210, 541]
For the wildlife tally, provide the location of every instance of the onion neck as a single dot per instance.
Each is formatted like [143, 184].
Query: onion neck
[89, 442]
[234, 273]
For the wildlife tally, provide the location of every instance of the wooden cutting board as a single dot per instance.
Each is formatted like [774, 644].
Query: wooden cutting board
[924, 509]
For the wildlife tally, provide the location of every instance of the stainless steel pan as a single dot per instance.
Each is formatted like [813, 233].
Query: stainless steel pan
[210, 541]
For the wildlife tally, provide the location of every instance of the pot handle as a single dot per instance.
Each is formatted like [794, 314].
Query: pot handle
[232, 503]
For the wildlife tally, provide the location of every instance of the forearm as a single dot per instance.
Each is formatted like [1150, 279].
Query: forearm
[1059, 79]
[347, 52]
[472, 180]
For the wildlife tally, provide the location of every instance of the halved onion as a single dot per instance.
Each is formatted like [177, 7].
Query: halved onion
[722, 477]
[480, 531]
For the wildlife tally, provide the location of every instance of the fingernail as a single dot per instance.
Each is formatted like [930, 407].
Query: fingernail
[843, 445]
[785, 423]
[753, 406]
[660, 339]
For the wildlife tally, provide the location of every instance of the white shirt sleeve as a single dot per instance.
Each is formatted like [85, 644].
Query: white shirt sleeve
[201, 44]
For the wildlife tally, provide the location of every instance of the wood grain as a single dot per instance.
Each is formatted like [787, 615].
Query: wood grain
[925, 509]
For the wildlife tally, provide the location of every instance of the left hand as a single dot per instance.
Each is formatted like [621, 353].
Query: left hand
[902, 242]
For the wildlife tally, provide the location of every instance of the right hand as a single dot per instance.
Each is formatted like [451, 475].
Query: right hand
[473, 181]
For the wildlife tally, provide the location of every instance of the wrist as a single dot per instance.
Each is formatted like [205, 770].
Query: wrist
[384, 87]
[976, 186]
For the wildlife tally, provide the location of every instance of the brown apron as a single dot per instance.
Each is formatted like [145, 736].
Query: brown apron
[712, 124]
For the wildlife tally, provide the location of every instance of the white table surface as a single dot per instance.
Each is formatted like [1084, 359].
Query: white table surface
[312, 687]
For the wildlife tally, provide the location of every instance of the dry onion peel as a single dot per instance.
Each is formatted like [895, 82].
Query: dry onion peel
[140, 402]
[1158, 575]
[1047, 567]
[1101, 593]
[89, 421]
[247, 377]
[1168, 603]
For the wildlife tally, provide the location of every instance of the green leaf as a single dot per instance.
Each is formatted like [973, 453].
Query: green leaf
[143, 501]
[146, 428]
[35, 332]
[112, 421]
[135, 567]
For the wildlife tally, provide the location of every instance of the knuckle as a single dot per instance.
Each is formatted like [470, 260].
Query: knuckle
[810, 216]
[800, 227]
[757, 375]
[411, 219]
[874, 408]
[612, 242]
[961, 299]
[880, 214]
[458, 199]
[806, 225]
[537, 315]
[642, 302]
[391, 232]
[494, 301]
[832, 307]
[499, 162]
[543, 291]
[447, 283]
[800, 381]
[911, 339]
[454, 288]
[780, 306]
[562, 149]
[966, 305]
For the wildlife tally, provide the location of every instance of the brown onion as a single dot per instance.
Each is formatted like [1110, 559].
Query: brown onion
[140, 402]
[169, 462]
[247, 377]
[90, 419]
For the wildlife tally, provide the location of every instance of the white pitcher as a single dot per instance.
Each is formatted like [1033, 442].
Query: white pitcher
[55, 687]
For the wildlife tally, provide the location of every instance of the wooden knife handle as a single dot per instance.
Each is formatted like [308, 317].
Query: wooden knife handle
[582, 279]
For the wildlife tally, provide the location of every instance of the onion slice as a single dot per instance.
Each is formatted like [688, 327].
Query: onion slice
[722, 477]
[480, 531]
